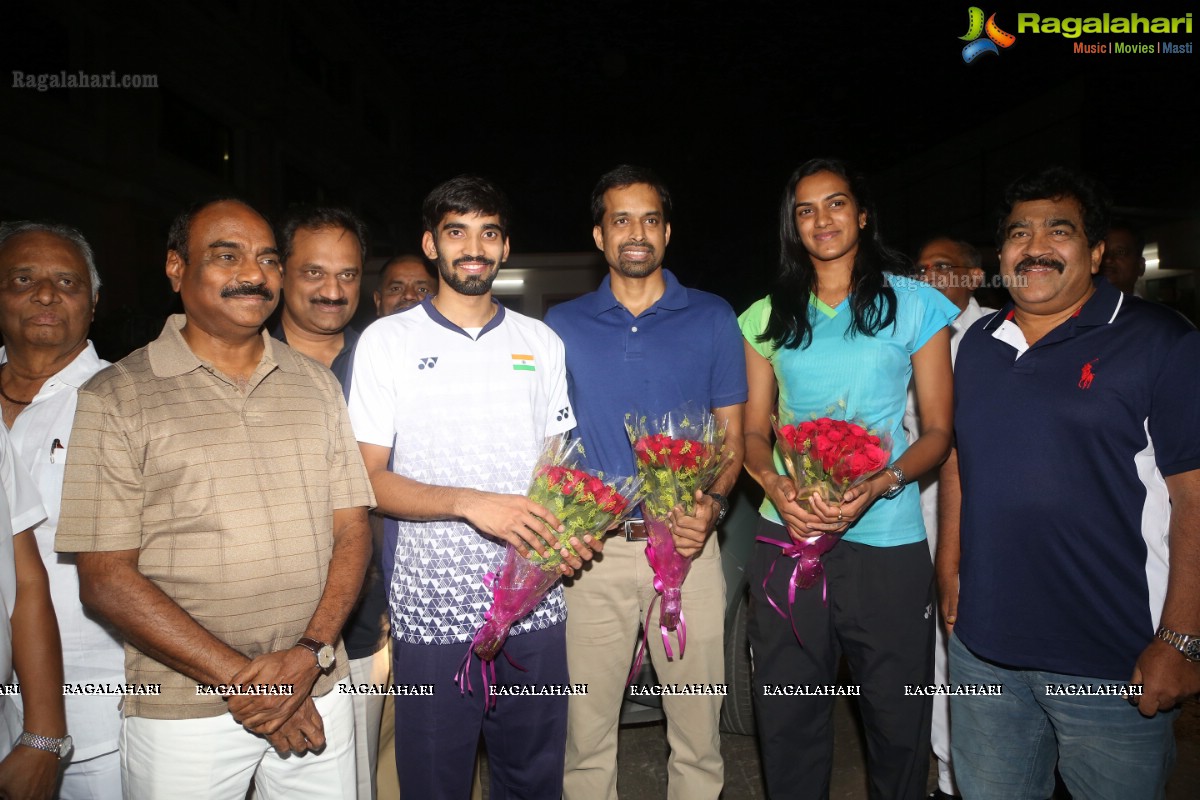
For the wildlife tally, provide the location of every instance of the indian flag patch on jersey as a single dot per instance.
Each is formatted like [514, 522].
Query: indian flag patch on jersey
[523, 361]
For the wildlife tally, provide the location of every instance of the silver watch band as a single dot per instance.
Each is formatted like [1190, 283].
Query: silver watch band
[39, 742]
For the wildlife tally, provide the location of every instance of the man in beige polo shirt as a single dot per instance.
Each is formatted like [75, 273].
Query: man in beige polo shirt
[216, 497]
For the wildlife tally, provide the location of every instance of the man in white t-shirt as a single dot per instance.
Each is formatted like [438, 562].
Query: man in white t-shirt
[954, 268]
[29, 644]
[489, 387]
[48, 291]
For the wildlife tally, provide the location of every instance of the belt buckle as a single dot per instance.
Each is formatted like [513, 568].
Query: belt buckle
[635, 530]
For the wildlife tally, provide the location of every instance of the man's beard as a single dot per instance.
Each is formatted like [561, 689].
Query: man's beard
[471, 285]
[638, 269]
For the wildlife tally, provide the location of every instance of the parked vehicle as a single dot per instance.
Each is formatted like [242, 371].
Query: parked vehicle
[737, 542]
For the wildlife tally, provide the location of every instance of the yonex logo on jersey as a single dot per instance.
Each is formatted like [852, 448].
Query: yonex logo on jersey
[427, 363]
[563, 413]
[1086, 376]
[523, 362]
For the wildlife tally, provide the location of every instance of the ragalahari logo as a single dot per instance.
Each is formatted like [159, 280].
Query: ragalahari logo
[976, 27]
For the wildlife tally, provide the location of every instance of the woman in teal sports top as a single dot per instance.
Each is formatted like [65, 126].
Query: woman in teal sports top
[843, 325]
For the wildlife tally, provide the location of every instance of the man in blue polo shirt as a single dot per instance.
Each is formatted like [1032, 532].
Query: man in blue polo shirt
[641, 342]
[1078, 440]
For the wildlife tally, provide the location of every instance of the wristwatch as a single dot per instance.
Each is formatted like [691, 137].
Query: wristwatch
[1188, 644]
[60, 747]
[898, 486]
[723, 502]
[326, 655]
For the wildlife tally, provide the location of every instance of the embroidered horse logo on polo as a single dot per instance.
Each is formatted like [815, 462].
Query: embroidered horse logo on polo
[1086, 376]
[427, 363]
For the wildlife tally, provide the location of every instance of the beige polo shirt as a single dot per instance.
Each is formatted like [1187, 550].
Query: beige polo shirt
[229, 495]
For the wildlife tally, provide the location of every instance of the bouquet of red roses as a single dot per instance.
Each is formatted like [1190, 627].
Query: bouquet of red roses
[585, 503]
[825, 456]
[677, 454]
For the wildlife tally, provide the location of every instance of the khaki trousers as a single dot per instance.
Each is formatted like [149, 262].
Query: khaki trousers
[605, 605]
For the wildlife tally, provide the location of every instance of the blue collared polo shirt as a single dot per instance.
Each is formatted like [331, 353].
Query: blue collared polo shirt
[685, 347]
[1063, 447]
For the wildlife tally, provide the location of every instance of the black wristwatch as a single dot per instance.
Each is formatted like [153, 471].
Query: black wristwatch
[1188, 644]
[722, 501]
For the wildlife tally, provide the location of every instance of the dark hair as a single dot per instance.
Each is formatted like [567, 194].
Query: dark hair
[1123, 224]
[424, 262]
[465, 194]
[1055, 183]
[177, 236]
[872, 301]
[973, 256]
[65, 232]
[628, 175]
[315, 218]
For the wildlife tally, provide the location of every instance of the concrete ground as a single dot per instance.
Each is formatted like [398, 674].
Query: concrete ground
[643, 761]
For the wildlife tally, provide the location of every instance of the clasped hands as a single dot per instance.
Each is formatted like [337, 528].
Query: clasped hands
[822, 516]
[290, 723]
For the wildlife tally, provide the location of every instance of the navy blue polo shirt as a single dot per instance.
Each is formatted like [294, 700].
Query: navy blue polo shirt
[685, 347]
[1062, 449]
[343, 363]
[363, 634]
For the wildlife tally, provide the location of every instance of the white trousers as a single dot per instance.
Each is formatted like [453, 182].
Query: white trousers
[368, 714]
[939, 734]
[215, 758]
[97, 778]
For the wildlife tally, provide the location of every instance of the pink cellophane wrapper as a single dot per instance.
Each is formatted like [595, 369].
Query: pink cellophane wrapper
[824, 455]
[586, 502]
[677, 454]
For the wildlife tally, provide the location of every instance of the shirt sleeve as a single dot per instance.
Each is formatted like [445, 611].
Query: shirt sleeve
[934, 310]
[349, 485]
[729, 361]
[753, 322]
[25, 509]
[560, 416]
[1174, 410]
[103, 485]
[372, 392]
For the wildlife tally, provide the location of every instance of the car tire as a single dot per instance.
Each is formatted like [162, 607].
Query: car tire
[737, 712]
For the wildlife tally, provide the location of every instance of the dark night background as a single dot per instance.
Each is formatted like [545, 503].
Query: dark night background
[370, 105]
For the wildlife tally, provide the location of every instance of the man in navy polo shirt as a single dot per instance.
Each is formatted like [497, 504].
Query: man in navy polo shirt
[641, 342]
[1078, 440]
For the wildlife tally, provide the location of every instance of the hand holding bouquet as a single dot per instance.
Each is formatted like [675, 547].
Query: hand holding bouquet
[678, 454]
[586, 503]
[825, 457]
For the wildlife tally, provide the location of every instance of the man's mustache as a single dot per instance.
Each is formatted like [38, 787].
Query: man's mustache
[458, 262]
[248, 290]
[330, 301]
[1031, 261]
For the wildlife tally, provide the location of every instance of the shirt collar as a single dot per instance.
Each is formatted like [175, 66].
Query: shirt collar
[440, 319]
[674, 296]
[349, 337]
[1100, 309]
[85, 364]
[171, 357]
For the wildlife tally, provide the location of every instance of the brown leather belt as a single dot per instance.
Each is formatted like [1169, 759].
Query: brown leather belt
[635, 531]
